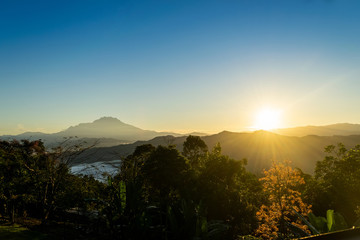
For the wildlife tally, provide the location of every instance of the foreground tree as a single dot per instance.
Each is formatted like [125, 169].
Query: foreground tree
[13, 176]
[338, 178]
[165, 172]
[195, 149]
[132, 166]
[229, 193]
[285, 203]
[34, 181]
[168, 197]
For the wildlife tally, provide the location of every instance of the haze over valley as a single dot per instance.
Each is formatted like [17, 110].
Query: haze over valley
[114, 140]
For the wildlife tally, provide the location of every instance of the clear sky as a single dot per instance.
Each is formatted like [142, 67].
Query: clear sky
[178, 65]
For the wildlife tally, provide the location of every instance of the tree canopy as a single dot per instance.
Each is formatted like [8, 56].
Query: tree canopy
[161, 193]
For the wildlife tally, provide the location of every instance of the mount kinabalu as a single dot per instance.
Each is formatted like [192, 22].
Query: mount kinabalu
[110, 130]
[109, 127]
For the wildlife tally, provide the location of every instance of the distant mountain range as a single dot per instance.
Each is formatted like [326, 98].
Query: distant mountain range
[115, 140]
[106, 131]
[343, 129]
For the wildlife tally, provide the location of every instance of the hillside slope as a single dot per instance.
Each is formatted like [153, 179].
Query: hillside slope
[260, 148]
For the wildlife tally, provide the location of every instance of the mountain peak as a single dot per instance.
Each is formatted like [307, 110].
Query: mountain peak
[109, 127]
[107, 120]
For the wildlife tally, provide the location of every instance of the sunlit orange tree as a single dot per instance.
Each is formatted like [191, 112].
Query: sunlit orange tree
[282, 211]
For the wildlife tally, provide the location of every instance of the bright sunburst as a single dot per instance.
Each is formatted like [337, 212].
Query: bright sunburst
[267, 119]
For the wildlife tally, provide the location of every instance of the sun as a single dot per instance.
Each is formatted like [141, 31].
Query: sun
[267, 119]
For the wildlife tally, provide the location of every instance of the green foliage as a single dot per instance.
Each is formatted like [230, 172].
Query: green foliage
[333, 222]
[34, 181]
[330, 219]
[338, 178]
[187, 221]
[319, 223]
[170, 197]
[115, 203]
[230, 193]
[165, 171]
[132, 166]
[195, 149]
[160, 193]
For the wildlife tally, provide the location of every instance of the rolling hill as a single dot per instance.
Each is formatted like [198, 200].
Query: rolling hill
[260, 148]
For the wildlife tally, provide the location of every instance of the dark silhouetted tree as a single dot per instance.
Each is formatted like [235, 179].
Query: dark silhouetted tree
[338, 176]
[195, 149]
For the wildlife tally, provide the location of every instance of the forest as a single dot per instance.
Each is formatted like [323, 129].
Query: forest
[163, 193]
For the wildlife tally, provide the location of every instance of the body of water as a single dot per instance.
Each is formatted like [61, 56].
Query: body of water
[99, 170]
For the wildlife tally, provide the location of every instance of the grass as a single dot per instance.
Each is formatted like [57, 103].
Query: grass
[16, 232]
[31, 229]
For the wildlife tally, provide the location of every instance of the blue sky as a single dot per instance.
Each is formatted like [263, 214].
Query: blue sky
[178, 65]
